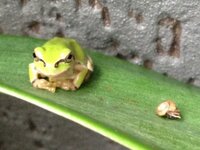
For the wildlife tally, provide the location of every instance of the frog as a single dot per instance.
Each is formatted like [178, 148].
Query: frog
[60, 63]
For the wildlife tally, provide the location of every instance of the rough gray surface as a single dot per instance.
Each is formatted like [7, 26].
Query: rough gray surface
[27, 127]
[160, 34]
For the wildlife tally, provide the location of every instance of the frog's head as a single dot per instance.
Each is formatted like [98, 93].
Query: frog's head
[53, 60]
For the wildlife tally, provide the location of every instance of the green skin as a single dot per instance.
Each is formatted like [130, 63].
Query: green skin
[61, 63]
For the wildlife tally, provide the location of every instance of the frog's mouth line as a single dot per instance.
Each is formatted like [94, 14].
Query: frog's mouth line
[65, 74]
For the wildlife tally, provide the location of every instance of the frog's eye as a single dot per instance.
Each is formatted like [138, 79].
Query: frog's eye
[67, 59]
[34, 56]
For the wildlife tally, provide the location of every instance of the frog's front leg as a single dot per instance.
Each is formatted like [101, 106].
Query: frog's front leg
[44, 84]
[83, 72]
[39, 83]
[80, 77]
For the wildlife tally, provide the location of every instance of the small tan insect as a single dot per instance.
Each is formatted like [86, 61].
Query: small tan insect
[168, 109]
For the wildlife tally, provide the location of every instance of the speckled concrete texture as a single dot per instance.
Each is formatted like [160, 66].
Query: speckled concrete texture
[162, 34]
[24, 126]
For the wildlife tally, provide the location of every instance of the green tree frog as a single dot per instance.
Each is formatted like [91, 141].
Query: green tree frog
[59, 63]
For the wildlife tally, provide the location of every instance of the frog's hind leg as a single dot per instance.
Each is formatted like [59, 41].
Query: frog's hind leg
[90, 67]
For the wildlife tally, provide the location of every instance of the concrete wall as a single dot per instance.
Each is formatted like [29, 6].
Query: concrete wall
[161, 34]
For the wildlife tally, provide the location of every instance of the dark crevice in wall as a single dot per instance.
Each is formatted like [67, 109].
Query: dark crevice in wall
[191, 80]
[59, 33]
[136, 15]
[175, 26]
[95, 4]
[105, 15]
[34, 26]
[77, 4]
[159, 47]
[23, 2]
[148, 64]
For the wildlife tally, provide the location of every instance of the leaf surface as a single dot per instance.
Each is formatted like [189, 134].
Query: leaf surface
[118, 101]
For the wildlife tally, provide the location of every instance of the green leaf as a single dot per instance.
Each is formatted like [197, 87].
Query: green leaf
[118, 101]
